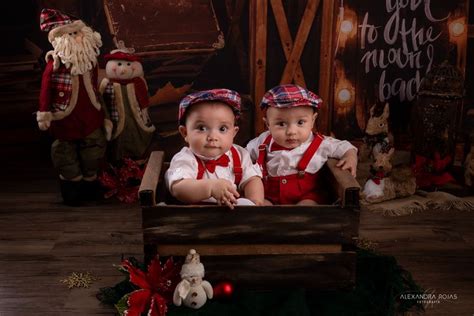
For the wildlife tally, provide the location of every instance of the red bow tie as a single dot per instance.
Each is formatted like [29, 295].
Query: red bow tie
[222, 161]
[275, 147]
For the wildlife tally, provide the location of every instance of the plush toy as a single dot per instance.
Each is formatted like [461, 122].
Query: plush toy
[387, 183]
[69, 106]
[126, 98]
[377, 135]
[192, 291]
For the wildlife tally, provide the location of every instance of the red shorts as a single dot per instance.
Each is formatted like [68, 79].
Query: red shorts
[293, 189]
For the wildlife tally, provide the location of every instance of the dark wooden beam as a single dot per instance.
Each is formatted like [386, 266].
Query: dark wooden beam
[259, 57]
[286, 40]
[300, 40]
[327, 66]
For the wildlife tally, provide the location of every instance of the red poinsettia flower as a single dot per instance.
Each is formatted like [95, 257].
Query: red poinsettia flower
[156, 287]
[123, 181]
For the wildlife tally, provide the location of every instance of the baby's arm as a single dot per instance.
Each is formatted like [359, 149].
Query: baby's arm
[349, 161]
[193, 191]
[253, 190]
[251, 184]
[342, 150]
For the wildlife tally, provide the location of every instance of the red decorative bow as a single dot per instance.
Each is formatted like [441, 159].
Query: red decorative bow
[222, 161]
[377, 177]
[431, 171]
[275, 147]
[156, 287]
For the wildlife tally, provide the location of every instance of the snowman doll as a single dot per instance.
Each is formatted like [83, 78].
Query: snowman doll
[125, 95]
[192, 291]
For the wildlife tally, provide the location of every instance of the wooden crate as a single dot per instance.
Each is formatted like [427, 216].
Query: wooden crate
[258, 247]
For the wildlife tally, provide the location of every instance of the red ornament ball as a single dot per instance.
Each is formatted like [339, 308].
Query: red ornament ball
[223, 290]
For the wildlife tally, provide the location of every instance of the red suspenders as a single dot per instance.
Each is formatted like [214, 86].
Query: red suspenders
[237, 165]
[313, 147]
[236, 162]
[262, 155]
[302, 164]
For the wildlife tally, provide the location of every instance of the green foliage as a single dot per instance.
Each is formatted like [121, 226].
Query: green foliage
[112, 295]
[121, 305]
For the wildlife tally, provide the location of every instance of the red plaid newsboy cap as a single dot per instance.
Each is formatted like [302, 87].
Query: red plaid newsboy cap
[289, 95]
[229, 97]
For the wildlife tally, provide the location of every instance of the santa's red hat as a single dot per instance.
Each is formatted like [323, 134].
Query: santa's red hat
[58, 23]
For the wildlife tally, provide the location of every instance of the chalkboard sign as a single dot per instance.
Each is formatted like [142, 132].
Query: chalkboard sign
[383, 51]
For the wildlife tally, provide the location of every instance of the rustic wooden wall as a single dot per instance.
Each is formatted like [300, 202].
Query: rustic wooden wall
[228, 68]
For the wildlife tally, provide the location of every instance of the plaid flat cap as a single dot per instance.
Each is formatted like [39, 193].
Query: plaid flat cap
[229, 97]
[289, 95]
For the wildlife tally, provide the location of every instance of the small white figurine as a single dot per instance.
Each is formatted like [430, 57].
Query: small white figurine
[192, 291]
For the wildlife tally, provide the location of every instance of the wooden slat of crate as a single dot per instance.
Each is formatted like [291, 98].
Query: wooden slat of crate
[310, 271]
[319, 270]
[249, 225]
[262, 266]
[252, 249]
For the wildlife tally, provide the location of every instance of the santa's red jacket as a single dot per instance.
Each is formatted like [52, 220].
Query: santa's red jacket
[72, 100]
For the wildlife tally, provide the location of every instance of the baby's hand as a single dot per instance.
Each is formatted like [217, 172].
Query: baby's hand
[224, 192]
[349, 162]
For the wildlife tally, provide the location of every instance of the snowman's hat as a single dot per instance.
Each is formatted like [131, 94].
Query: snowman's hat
[192, 265]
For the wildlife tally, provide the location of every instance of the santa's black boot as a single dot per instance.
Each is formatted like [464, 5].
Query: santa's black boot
[71, 192]
[91, 190]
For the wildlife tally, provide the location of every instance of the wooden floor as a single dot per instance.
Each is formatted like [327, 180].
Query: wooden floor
[42, 242]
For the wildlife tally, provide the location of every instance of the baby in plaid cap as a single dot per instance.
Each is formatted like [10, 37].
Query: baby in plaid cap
[213, 169]
[289, 153]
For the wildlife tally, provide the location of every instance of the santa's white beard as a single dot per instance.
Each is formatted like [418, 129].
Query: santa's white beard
[82, 56]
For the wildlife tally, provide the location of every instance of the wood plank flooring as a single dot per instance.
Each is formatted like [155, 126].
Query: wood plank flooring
[42, 242]
[436, 247]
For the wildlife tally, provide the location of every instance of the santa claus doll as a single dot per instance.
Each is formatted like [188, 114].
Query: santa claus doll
[69, 104]
[125, 94]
